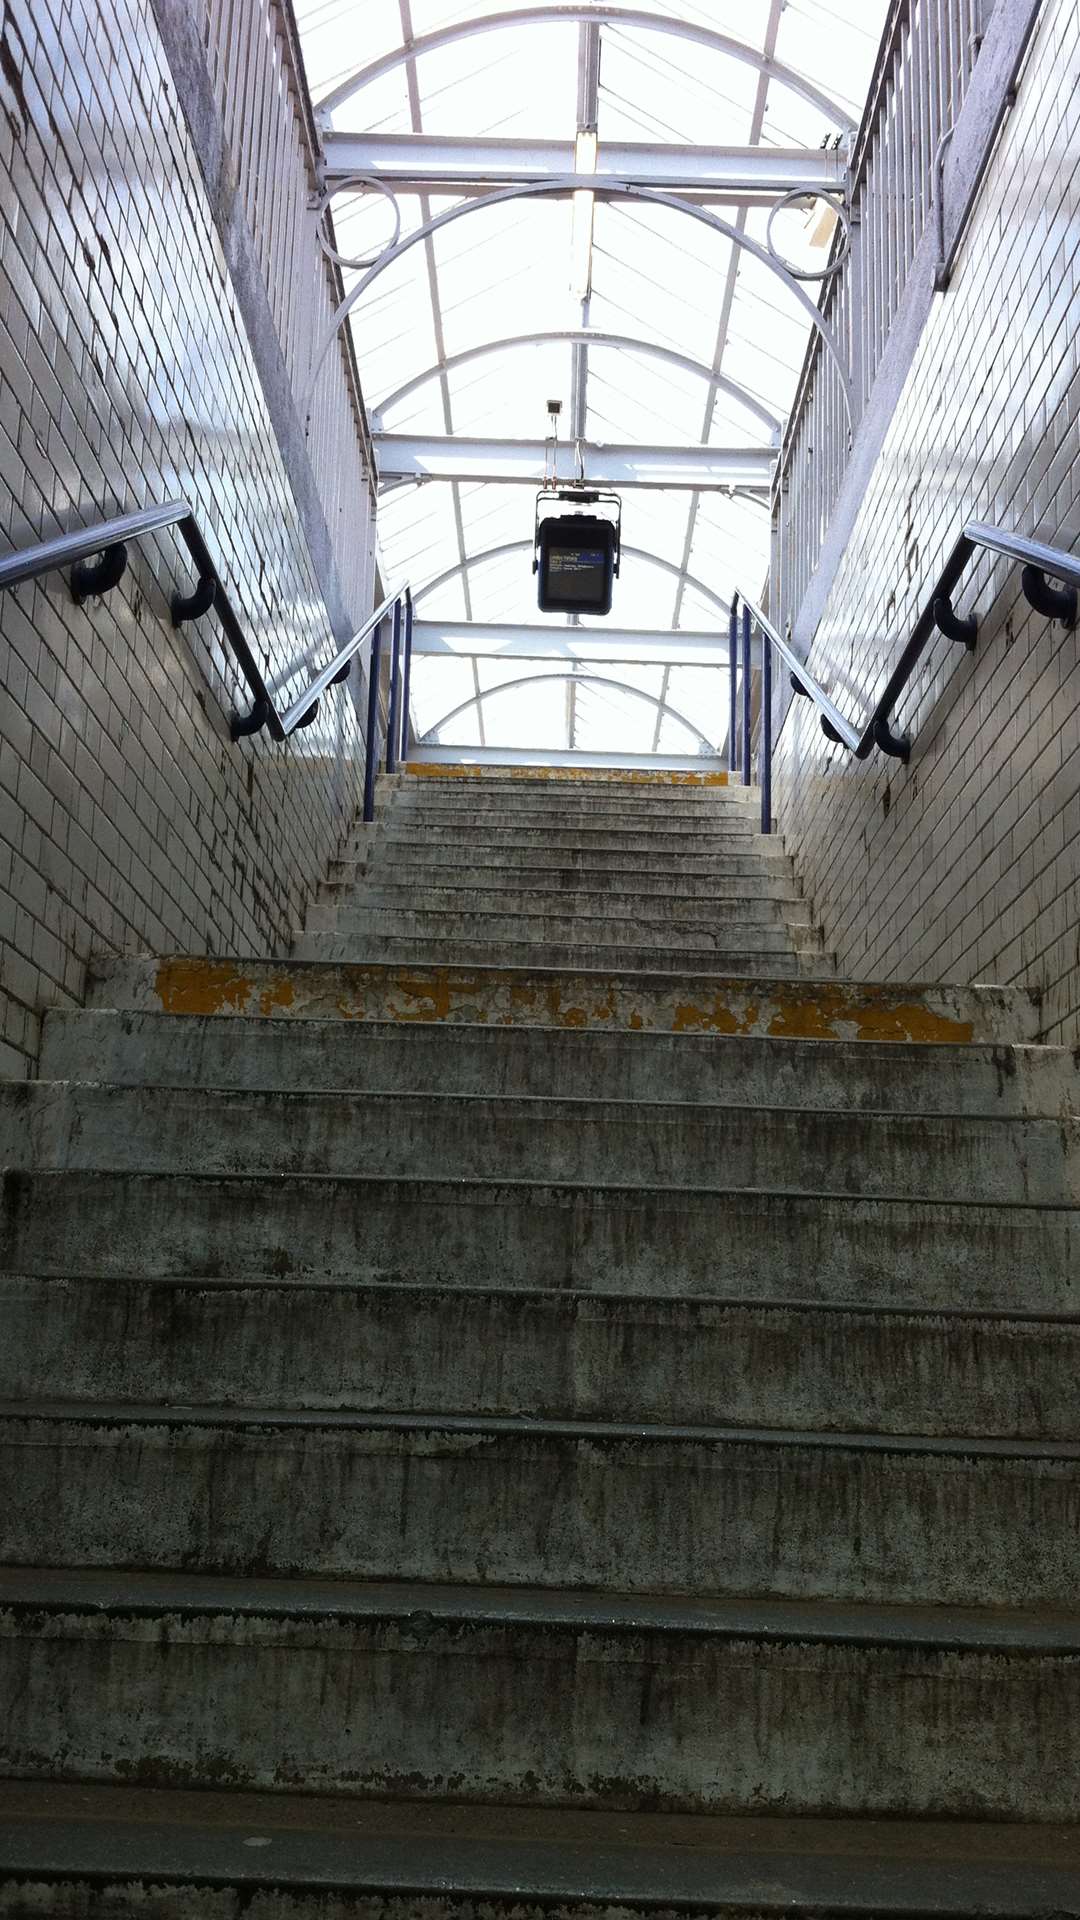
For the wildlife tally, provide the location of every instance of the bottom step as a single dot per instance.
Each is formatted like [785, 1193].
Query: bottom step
[83, 1853]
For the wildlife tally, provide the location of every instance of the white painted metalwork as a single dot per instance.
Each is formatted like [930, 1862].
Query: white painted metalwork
[429, 754]
[453, 457]
[526, 546]
[502, 640]
[606, 189]
[373, 185]
[254, 64]
[927, 60]
[655, 98]
[579, 679]
[435, 163]
[631, 17]
[588, 337]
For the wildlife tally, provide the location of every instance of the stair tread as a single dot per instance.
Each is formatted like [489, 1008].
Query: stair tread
[708, 1307]
[933, 1869]
[529, 1427]
[780, 1621]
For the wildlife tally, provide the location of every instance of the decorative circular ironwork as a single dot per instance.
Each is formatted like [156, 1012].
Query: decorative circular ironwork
[342, 186]
[811, 273]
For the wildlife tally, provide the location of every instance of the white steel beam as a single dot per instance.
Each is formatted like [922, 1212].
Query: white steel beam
[556, 757]
[434, 163]
[454, 457]
[640, 646]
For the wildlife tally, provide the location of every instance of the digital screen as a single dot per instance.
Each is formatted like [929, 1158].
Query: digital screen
[577, 573]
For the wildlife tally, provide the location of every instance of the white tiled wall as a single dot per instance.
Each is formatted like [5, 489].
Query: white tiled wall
[965, 865]
[127, 817]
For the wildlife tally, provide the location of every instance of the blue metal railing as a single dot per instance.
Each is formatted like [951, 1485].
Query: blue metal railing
[399, 607]
[1039, 564]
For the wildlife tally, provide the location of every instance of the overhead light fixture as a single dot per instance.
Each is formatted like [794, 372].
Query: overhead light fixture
[585, 150]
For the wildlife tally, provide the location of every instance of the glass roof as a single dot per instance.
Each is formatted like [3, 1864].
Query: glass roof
[656, 275]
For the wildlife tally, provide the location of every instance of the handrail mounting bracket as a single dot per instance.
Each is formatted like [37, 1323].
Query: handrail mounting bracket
[243, 725]
[1055, 603]
[963, 628]
[191, 606]
[101, 575]
[894, 744]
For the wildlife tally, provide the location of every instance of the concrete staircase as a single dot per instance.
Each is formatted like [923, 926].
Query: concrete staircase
[548, 1399]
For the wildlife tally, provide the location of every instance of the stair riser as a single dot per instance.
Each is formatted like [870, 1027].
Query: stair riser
[616, 1001]
[192, 1130]
[654, 932]
[610, 1510]
[549, 1356]
[564, 793]
[706, 816]
[161, 1050]
[740, 881]
[419, 777]
[433, 949]
[736, 1245]
[469, 838]
[702, 816]
[590, 1720]
[625, 909]
[427, 860]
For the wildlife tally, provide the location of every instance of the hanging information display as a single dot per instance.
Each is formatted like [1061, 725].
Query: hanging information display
[576, 555]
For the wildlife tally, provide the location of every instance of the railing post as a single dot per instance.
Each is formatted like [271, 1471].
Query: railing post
[746, 695]
[766, 734]
[406, 676]
[392, 727]
[733, 673]
[371, 732]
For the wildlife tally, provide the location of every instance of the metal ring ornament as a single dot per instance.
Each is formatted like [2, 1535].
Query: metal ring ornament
[340, 186]
[812, 273]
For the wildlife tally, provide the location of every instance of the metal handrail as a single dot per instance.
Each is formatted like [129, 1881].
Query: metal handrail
[847, 733]
[98, 558]
[938, 616]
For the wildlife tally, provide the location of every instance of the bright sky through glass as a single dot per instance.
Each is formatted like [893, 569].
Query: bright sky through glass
[657, 274]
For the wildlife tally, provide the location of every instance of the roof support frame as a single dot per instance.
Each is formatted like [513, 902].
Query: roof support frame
[609, 189]
[457, 164]
[574, 646]
[431, 266]
[582, 679]
[628, 17]
[588, 337]
[456, 457]
[772, 27]
[525, 546]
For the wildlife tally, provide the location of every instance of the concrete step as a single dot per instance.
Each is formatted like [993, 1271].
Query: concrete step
[563, 997]
[756, 960]
[622, 1508]
[79, 1852]
[746, 880]
[302, 1684]
[468, 836]
[629, 779]
[553, 1355]
[659, 1243]
[747, 907]
[425, 854]
[688, 789]
[544, 1698]
[552, 796]
[699, 816]
[57, 1124]
[644, 930]
[138, 1049]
